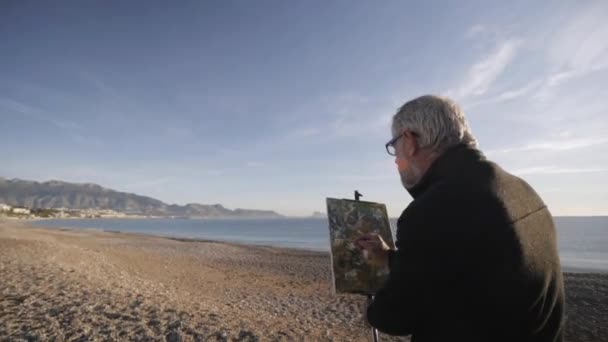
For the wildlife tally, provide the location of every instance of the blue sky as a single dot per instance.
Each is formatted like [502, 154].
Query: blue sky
[279, 104]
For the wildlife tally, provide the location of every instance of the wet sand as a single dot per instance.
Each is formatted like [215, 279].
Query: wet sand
[86, 285]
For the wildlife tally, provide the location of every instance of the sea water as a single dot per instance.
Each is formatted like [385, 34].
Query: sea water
[582, 241]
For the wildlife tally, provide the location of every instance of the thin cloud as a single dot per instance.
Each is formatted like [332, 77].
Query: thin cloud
[578, 49]
[175, 131]
[362, 116]
[508, 95]
[111, 100]
[150, 183]
[344, 116]
[214, 172]
[548, 87]
[548, 170]
[306, 132]
[519, 92]
[475, 30]
[98, 84]
[553, 145]
[36, 114]
[484, 73]
[87, 141]
[581, 44]
[360, 178]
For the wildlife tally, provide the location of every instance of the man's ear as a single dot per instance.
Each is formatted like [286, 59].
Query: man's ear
[411, 143]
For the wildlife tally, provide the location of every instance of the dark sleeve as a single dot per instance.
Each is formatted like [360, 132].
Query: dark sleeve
[396, 304]
[409, 289]
[391, 255]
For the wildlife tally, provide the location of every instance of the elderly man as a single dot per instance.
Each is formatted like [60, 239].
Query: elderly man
[476, 256]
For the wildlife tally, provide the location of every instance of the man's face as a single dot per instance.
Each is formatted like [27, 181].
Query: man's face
[406, 165]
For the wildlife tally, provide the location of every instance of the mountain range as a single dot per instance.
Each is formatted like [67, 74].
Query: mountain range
[59, 194]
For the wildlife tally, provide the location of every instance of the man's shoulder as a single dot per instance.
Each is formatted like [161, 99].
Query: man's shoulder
[516, 195]
[486, 193]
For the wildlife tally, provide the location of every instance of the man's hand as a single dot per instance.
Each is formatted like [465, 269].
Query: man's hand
[375, 246]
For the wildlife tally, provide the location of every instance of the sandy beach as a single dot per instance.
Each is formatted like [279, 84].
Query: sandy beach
[86, 285]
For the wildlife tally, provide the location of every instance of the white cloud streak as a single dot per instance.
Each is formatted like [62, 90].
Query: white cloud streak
[522, 91]
[484, 72]
[508, 95]
[345, 116]
[579, 48]
[582, 43]
[553, 145]
[548, 170]
[476, 30]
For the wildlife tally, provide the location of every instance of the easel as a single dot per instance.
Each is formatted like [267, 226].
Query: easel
[370, 297]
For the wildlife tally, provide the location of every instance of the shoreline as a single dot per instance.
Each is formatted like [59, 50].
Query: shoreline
[582, 270]
[179, 238]
[565, 269]
[185, 239]
[67, 284]
[140, 217]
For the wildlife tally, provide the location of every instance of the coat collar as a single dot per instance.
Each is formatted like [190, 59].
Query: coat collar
[451, 164]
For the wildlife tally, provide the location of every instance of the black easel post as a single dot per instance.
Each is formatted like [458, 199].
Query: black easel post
[370, 297]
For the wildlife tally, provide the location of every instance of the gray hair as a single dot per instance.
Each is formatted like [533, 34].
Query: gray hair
[439, 122]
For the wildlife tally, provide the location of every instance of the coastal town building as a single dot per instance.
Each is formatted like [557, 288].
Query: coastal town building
[23, 211]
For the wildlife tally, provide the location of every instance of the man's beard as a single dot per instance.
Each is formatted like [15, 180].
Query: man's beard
[411, 177]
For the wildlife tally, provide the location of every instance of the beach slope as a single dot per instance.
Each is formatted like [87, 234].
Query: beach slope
[86, 285]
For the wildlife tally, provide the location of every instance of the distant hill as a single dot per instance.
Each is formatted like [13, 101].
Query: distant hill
[58, 194]
[318, 214]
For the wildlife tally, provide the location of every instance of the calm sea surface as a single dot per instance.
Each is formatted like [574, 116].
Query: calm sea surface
[583, 241]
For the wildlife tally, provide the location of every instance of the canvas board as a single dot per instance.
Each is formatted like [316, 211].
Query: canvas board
[353, 270]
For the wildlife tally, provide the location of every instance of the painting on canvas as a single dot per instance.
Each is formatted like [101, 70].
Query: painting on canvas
[353, 269]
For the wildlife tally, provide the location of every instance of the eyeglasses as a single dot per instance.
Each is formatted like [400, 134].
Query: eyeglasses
[390, 146]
